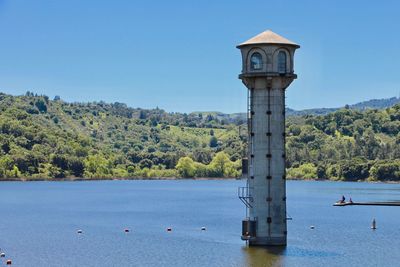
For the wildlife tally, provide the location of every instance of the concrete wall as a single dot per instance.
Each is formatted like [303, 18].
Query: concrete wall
[266, 159]
[267, 179]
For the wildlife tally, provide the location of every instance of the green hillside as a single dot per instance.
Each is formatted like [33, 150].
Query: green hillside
[345, 145]
[51, 139]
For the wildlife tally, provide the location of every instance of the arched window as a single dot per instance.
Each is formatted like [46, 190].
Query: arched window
[281, 62]
[256, 62]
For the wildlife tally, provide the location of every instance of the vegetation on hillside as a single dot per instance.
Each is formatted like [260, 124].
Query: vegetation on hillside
[346, 145]
[43, 138]
[52, 139]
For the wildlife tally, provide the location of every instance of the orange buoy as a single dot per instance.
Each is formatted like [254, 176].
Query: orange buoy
[8, 262]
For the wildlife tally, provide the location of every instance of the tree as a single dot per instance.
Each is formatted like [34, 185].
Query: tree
[6, 164]
[321, 172]
[41, 105]
[145, 163]
[15, 173]
[213, 141]
[305, 171]
[142, 115]
[386, 171]
[96, 166]
[77, 167]
[354, 170]
[186, 167]
[60, 161]
[220, 165]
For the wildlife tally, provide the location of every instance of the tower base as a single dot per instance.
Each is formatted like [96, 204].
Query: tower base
[267, 241]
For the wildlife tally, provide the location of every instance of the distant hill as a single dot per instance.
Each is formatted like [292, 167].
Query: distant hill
[377, 103]
[383, 103]
[369, 104]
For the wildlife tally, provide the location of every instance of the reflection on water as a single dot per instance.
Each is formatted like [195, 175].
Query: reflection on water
[275, 256]
[264, 257]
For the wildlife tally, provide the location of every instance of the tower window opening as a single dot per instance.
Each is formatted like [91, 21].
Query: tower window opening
[282, 62]
[256, 62]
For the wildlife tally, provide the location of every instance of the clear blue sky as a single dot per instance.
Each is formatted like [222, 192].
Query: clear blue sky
[181, 55]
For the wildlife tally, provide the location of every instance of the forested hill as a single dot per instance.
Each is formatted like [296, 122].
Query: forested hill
[51, 139]
[45, 138]
[370, 104]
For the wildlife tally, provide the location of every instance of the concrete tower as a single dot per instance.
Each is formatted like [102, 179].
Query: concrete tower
[267, 71]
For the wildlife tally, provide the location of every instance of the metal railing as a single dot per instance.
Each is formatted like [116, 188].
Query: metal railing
[244, 194]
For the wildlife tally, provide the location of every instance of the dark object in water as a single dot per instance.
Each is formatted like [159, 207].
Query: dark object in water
[394, 203]
[373, 226]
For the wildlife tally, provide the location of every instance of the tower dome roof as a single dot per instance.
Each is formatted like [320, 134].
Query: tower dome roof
[268, 37]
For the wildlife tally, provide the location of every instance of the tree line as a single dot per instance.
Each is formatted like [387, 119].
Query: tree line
[42, 138]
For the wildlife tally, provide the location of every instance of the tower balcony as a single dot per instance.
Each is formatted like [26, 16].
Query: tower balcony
[267, 74]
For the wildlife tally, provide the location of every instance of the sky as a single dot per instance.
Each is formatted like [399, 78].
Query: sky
[181, 55]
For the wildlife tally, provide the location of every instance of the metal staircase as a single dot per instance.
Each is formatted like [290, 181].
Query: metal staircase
[244, 194]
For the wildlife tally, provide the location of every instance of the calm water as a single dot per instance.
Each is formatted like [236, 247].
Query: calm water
[39, 220]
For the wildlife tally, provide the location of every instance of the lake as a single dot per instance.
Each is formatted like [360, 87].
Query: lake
[39, 223]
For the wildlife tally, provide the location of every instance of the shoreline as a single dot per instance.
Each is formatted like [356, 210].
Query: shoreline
[75, 179]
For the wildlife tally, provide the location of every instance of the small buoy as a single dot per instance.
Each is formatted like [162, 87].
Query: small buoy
[169, 229]
[312, 227]
[203, 228]
[126, 230]
[8, 262]
[79, 231]
[373, 226]
[2, 255]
